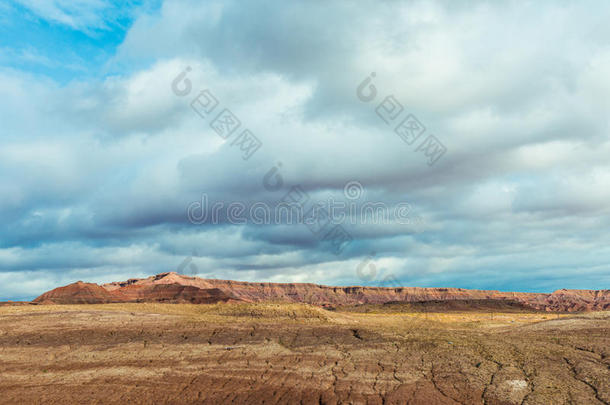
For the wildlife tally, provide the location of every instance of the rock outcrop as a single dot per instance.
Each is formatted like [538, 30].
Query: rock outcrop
[173, 287]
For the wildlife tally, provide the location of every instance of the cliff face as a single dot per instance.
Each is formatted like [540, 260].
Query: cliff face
[561, 300]
[173, 287]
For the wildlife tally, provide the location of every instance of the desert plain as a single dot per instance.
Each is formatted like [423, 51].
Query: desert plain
[284, 353]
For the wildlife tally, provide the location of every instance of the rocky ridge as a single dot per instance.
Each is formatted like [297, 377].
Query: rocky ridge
[177, 288]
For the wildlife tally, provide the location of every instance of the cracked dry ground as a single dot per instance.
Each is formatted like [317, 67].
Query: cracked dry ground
[182, 354]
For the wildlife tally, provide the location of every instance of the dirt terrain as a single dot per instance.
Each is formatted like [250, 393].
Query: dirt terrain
[267, 353]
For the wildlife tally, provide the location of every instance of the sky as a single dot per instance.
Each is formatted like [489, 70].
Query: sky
[475, 134]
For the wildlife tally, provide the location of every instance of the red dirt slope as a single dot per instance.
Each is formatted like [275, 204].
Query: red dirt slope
[171, 293]
[77, 293]
[89, 293]
[173, 287]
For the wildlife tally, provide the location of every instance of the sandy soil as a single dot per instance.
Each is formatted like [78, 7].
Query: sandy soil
[293, 353]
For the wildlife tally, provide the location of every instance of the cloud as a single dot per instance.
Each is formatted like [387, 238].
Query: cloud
[97, 172]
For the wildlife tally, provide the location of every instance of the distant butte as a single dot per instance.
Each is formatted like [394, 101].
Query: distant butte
[176, 288]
